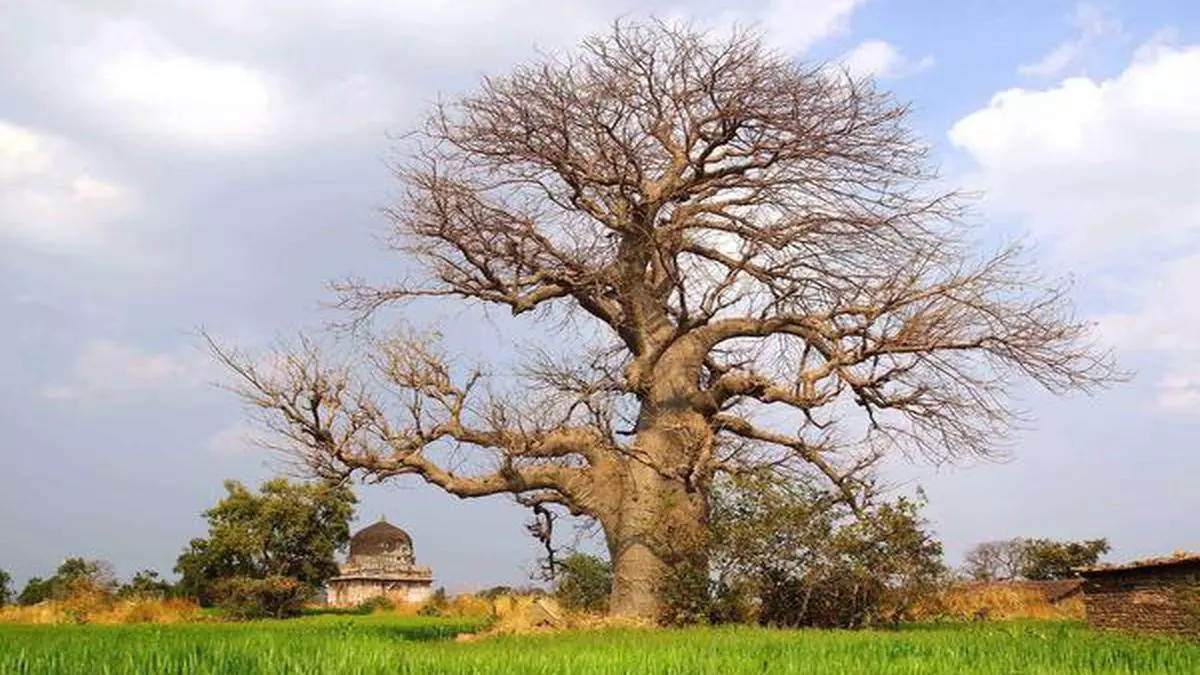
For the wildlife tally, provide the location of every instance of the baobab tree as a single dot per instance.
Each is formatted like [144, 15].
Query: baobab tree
[751, 265]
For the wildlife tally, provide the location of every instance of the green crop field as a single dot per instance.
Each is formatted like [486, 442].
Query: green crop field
[384, 644]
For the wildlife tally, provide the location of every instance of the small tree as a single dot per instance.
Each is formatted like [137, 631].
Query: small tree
[808, 559]
[273, 597]
[79, 574]
[145, 584]
[6, 593]
[996, 560]
[74, 576]
[1046, 559]
[288, 530]
[1032, 559]
[583, 582]
[36, 590]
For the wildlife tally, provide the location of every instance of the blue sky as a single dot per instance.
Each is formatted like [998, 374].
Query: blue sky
[166, 165]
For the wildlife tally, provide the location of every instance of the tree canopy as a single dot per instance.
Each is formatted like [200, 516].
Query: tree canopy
[6, 593]
[1047, 559]
[145, 584]
[996, 560]
[72, 576]
[1032, 559]
[288, 530]
[751, 262]
[792, 553]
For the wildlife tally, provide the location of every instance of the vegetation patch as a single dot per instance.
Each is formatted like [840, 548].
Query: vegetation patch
[381, 643]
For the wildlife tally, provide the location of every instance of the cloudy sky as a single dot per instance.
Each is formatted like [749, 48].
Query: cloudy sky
[168, 164]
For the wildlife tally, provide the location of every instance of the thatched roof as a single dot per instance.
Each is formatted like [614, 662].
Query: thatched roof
[1180, 558]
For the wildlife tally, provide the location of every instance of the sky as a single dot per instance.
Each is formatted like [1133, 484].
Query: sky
[167, 165]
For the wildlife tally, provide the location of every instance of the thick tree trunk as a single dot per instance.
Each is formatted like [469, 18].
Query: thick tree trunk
[661, 522]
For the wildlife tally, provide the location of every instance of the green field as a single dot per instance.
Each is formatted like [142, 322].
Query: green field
[346, 645]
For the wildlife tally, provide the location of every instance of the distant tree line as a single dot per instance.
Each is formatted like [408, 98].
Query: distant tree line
[1031, 559]
[5, 590]
[79, 575]
[266, 554]
[783, 553]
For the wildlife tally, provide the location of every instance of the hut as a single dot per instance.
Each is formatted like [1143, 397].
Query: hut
[380, 564]
[1160, 595]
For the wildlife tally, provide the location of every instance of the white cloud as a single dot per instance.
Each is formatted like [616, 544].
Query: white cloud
[22, 153]
[155, 91]
[140, 80]
[1105, 172]
[796, 25]
[104, 367]
[879, 59]
[1164, 319]
[47, 196]
[791, 26]
[237, 439]
[1093, 25]
[1180, 391]
[1098, 165]
[226, 76]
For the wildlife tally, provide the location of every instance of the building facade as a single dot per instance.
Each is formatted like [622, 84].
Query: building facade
[1153, 596]
[380, 564]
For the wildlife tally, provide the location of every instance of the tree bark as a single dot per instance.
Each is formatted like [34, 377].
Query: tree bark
[661, 520]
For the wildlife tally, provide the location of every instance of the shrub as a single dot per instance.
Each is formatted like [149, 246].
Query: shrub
[583, 583]
[272, 597]
[5, 592]
[436, 605]
[379, 603]
[145, 584]
[795, 555]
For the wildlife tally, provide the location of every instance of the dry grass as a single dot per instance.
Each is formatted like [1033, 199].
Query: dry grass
[1006, 601]
[526, 614]
[101, 609]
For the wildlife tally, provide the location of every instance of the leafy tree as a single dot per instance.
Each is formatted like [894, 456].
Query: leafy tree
[493, 592]
[5, 591]
[287, 530]
[98, 573]
[73, 576]
[729, 232]
[1033, 559]
[36, 590]
[583, 582]
[807, 558]
[145, 584]
[1047, 559]
[273, 597]
[996, 560]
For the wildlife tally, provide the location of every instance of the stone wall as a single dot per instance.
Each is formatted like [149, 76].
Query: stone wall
[1159, 599]
[399, 561]
[349, 593]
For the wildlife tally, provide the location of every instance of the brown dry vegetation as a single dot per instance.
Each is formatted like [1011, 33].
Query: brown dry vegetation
[999, 601]
[100, 609]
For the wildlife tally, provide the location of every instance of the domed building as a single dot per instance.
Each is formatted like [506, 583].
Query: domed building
[380, 563]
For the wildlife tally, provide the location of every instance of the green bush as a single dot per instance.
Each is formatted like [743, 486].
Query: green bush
[273, 597]
[436, 605]
[797, 555]
[583, 582]
[379, 603]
